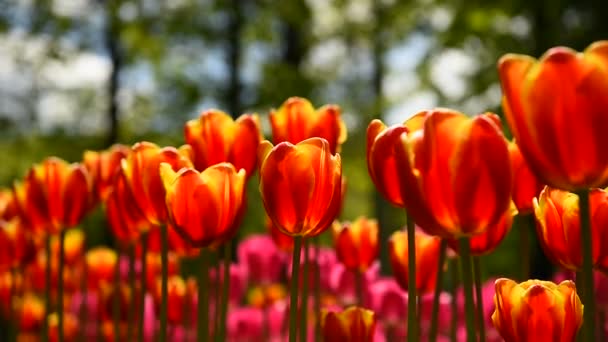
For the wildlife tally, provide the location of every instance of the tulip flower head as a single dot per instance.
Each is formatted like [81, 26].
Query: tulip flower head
[491, 238]
[352, 324]
[300, 185]
[103, 167]
[382, 142]
[297, 120]
[558, 227]
[54, 195]
[216, 138]
[526, 185]
[205, 208]
[141, 169]
[427, 257]
[565, 93]
[356, 243]
[455, 173]
[537, 310]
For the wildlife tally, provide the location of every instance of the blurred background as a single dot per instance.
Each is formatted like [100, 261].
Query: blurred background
[84, 74]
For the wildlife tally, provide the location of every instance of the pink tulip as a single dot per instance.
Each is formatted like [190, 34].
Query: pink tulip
[245, 324]
[263, 261]
[342, 283]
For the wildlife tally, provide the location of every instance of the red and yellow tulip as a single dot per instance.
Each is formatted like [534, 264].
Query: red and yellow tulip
[558, 227]
[352, 324]
[356, 243]
[537, 310]
[300, 185]
[297, 120]
[141, 169]
[206, 207]
[563, 94]
[427, 258]
[455, 173]
[216, 138]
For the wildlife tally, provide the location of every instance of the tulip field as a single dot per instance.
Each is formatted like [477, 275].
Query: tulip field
[182, 270]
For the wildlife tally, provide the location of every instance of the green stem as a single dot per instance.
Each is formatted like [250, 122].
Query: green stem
[131, 313]
[479, 299]
[304, 297]
[47, 288]
[467, 275]
[60, 286]
[412, 321]
[317, 295]
[524, 242]
[116, 301]
[359, 286]
[293, 304]
[203, 297]
[454, 303]
[221, 335]
[589, 314]
[437, 294]
[164, 284]
[142, 303]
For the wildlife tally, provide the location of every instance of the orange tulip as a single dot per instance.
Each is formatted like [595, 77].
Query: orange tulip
[356, 243]
[525, 184]
[141, 169]
[558, 227]
[54, 195]
[16, 245]
[427, 257]
[382, 143]
[73, 246]
[216, 138]
[537, 310]
[31, 313]
[206, 207]
[177, 296]
[301, 185]
[455, 173]
[564, 94]
[489, 240]
[352, 324]
[124, 217]
[103, 167]
[101, 265]
[296, 120]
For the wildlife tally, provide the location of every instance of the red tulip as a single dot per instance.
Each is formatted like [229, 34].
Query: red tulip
[427, 258]
[382, 143]
[297, 120]
[54, 195]
[141, 169]
[537, 310]
[564, 94]
[300, 185]
[103, 167]
[558, 227]
[489, 240]
[525, 184]
[356, 243]
[455, 173]
[206, 207]
[101, 265]
[216, 138]
[124, 217]
[352, 324]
